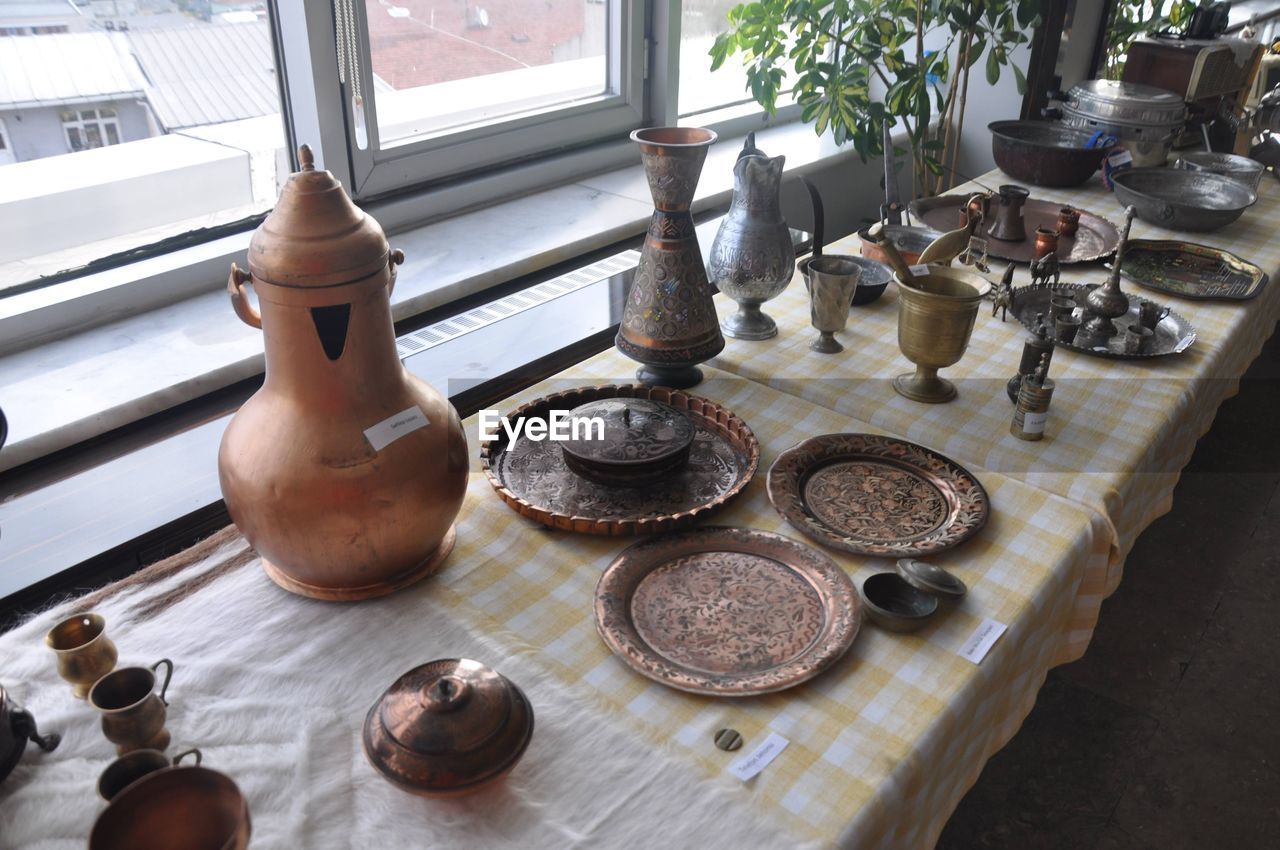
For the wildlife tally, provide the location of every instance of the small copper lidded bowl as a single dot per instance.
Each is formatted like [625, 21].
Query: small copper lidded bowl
[627, 442]
[907, 599]
[448, 727]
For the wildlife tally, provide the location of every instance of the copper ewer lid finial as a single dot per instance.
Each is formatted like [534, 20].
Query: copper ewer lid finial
[448, 727]
[316, 236]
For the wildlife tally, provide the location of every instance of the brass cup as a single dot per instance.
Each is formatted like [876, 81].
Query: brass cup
[85, 654]
[832, 282]
[935, 319]
[132, 713]
[131, 767]
[194, 808]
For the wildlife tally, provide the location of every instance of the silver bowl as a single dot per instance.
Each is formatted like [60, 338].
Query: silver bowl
[1182, 200]
[1247, 171]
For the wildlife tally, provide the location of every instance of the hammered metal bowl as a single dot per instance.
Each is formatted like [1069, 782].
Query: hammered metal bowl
[1241, 168]
[1183, 200]
[1045, 153]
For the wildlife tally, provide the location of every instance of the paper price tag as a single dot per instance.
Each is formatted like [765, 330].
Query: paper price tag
[1120, 158]
[1033, 423]
[393, 428]
[919, 269]
[759, 758]
[981, 641]
[1183, 344]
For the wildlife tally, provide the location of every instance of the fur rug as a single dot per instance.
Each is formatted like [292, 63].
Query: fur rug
[274, 688]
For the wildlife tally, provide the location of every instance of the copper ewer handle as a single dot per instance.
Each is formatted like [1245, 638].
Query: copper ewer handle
[396, 258]
[236, 283]
[167, 676]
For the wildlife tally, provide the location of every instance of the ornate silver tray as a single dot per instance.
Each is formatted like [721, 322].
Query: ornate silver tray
[874, 495]
[1173, 334]
[532, 477]
[726, 611]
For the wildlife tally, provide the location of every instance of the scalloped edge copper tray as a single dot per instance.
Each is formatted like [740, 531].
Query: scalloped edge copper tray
[967, 500]
[1172, 248]
[1174, 332]
[707, 415]
[942, 213]
[615, 625]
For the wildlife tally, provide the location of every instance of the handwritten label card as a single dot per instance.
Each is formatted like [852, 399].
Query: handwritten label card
[981, 641]
[759, 758]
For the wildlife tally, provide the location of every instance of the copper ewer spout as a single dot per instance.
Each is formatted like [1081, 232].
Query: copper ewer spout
[344, 471]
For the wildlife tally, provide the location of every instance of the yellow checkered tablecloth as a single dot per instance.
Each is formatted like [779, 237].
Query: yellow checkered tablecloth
[883, 745]
[1119, 432]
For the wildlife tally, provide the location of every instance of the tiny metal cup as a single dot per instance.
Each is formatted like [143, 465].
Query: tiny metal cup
[1067, 326]
[131, 767]
[1060, 305]
[1151, 314]
[1046, 242]
[85, 654]
[1068, 221]
[1137, 339]
[832, 281]
[133, 714]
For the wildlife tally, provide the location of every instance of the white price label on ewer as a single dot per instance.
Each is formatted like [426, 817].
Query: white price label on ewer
[759, 758]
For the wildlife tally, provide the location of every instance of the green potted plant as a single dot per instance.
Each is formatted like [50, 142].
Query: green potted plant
[835, 53]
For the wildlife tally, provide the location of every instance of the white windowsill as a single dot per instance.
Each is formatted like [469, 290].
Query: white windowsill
[59, 393]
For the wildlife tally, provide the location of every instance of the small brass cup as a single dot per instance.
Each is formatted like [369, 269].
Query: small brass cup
[132, 712]
[131, 767]
[194, 808]
[935, 319]
[832, 282]
[85, 654]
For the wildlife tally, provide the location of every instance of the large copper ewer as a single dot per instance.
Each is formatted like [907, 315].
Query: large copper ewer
[344, 471]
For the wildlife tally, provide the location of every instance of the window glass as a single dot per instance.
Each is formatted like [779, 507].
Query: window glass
[443, 65]
[112, 121]
[701, 89]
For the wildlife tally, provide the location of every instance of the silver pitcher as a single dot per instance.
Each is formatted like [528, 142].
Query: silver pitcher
[752, 258]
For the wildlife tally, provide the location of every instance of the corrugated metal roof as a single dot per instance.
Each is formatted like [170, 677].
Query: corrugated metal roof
[207, 74]
[47, 70]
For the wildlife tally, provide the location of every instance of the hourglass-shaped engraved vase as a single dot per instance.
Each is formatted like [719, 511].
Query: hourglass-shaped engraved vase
[669, 322]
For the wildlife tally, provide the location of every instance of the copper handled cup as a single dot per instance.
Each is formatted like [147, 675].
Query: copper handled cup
[1068, 221]
[936, 313]
[131, 767]
[193, 808]
[85, 654]
[132, 712]
[832, 282]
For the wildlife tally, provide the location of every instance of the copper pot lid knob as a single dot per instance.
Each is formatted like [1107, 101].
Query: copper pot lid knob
[448, 727]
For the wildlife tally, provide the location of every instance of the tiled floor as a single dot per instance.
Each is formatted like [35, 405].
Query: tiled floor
[1167, 733]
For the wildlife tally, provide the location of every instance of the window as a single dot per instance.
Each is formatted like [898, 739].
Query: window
[182, 127]
[90, 128]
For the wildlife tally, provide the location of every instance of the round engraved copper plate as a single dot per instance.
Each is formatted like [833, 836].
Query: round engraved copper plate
[726, 611]
[533, 478]
[874, 495]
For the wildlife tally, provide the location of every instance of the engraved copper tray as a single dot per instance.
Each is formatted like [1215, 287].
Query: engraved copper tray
[534, 480]
[1095, 239]
[874, 495]
[1190, 270]
[726, 611]
[1173, 334]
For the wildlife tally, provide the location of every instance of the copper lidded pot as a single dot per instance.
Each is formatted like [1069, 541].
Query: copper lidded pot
[344, 471]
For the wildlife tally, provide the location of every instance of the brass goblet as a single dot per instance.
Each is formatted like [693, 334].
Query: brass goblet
[832, 281]
[936, 313]
[85, 653]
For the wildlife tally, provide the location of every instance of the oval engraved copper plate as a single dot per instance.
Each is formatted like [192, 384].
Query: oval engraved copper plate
[726, 611]
[533, 478]
[874, 495]
[1094, 239]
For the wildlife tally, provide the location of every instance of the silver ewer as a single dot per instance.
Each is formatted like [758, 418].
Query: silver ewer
[752, 258]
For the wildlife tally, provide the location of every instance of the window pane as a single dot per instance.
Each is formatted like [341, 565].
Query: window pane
[441, 65]
[700, 89]
[168, 100]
